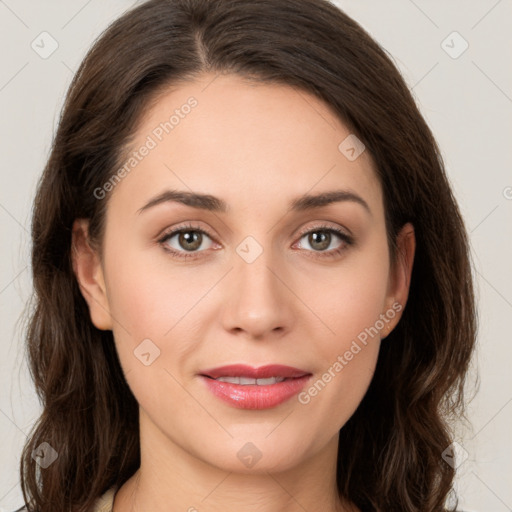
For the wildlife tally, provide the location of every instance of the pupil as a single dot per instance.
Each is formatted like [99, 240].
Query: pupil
[320, 237]
[186, 238]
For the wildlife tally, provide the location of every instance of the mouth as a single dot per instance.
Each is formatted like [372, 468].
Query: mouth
[245, 387]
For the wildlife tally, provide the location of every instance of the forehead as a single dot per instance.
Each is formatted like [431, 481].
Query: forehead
[247, 142]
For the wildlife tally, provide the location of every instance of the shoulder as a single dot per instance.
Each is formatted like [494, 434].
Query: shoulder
[106, 502]
[103, 504]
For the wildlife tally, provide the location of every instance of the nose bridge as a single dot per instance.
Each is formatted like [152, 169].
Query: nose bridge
[258, 301]
[252, 269]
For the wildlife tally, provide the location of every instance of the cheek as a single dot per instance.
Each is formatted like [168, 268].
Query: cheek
[158, 302]
[151, 333]
[346, 358]
[350, 304]
[350, 298]
[333, 396]
[148, 298]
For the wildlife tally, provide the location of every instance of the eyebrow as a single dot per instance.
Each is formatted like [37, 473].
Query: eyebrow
[215, 204]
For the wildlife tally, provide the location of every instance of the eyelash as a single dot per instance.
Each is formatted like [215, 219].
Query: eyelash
[347, 240]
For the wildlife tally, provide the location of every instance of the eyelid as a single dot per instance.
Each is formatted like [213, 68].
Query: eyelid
[187, 225]
[323, 225]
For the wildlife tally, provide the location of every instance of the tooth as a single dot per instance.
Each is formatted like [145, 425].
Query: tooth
[247, 380]
[265, 382]
[250, 381]
[231, 380]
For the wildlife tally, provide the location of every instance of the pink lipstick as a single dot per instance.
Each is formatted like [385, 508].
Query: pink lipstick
[245, 387]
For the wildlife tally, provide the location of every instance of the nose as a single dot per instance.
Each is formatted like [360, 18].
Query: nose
[259, 301]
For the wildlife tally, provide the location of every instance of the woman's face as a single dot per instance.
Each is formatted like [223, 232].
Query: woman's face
[259, 275]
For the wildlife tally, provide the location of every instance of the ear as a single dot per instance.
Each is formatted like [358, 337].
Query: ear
[400, 278]
[89, 273]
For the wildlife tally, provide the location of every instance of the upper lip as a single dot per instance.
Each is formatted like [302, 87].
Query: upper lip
[262, 372]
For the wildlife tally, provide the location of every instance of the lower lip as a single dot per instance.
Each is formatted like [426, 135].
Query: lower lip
[252, 396]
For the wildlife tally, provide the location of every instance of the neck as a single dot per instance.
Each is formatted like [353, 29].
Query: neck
[171, 479]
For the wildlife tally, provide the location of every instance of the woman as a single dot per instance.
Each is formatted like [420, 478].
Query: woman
[241, 203]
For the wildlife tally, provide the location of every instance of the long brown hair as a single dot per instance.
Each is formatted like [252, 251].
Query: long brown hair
[390, 451]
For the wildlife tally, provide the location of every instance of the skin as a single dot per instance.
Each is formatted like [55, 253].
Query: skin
[256, 146]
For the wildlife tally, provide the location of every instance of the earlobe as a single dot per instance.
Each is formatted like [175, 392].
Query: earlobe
[400, 278]
[89, 273]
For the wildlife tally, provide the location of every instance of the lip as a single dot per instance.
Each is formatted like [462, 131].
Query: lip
[253, 396]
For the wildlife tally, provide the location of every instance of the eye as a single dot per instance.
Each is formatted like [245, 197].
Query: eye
[188, 239]
[320, 239]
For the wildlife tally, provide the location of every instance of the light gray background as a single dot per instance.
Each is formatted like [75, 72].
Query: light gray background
[466, 100]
